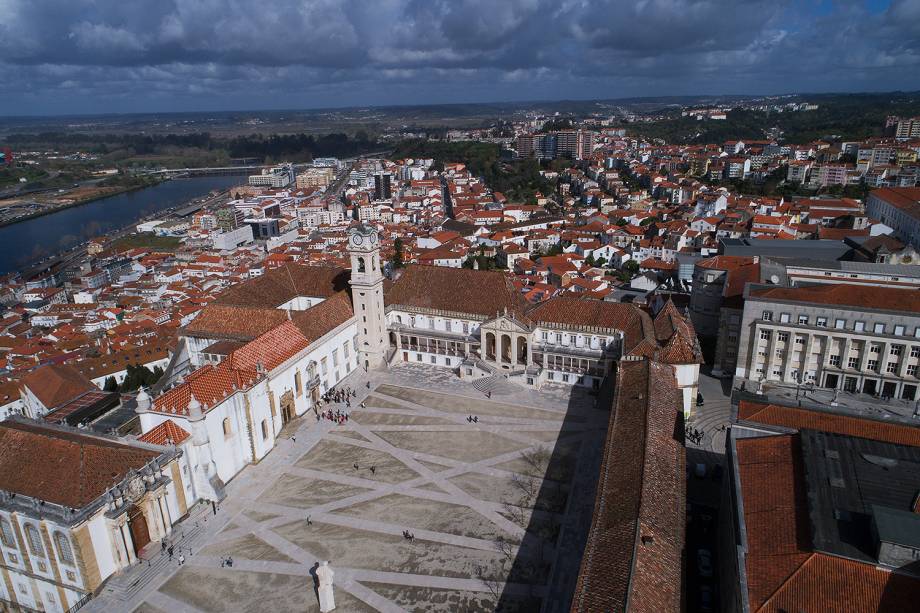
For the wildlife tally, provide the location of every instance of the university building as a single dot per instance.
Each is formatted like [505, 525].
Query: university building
[854, 338]
[76, 508]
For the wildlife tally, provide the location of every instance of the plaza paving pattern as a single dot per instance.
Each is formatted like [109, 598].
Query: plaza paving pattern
[499, 509]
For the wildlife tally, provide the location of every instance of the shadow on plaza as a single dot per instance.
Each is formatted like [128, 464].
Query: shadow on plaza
[545, 543]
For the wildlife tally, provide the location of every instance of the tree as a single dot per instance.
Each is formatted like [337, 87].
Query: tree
[397, 260]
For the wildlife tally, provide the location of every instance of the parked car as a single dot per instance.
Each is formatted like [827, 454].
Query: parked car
[704, 562]
[705, 599]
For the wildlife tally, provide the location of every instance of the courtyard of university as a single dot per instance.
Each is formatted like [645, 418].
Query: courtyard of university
[498, 508]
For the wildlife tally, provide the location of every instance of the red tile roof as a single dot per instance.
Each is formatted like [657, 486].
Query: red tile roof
[799, 418]
[63, 467]
[845, 294]
[56, 384]
[783, 573]
[636, 540]
[164, 434]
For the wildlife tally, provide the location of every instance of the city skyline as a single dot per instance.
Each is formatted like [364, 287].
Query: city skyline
[116, 58]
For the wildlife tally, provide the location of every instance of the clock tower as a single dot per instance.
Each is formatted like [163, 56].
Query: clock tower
[367, 296]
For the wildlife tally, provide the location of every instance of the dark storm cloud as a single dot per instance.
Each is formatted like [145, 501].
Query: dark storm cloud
[99, 55]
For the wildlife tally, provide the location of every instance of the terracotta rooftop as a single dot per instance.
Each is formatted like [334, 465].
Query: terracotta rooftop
[56, 384]
[783, 572]
[635, 323]
[635, 544]
[460, 290]
[164, 434]
[281, 284]
[63, 467]
[799, 418]
[847, 295]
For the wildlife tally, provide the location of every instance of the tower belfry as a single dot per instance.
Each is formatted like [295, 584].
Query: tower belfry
[367, 295]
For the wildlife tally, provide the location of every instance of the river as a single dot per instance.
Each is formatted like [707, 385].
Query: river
[28, 241]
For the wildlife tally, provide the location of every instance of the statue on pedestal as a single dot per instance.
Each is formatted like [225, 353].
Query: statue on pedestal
[326, 598]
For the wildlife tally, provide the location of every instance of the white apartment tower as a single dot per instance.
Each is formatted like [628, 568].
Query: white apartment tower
[367, 296]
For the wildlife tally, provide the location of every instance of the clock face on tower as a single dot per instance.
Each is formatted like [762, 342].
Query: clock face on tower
[357, 239]
[374, 238]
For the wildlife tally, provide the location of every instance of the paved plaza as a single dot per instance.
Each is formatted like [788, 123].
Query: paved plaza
[499, 509]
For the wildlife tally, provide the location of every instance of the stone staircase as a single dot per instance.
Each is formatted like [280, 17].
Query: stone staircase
[124, 588]
[496, 384]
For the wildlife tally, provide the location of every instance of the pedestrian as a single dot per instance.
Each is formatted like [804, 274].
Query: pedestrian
[309, 521]
[293, 438]
[476, 418]
[355, 465]
[373, 470]
[368, 385]
[169, 550]
[181, 559]
[229, 561]
[163, 544]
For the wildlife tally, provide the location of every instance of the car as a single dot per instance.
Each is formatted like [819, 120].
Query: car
[705, 599]
[704, 562]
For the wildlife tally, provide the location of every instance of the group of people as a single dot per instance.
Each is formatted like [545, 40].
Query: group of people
[228, 562]
[373, 469]
[408, 535]
[695, 436]
[344, 394]
[473, 419]
[337, 416]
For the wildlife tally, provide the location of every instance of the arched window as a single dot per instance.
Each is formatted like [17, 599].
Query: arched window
[65, 553]
[361, 267]
[35, 540]
[6, 533]
[373, 263]
[264, 429]
[227, 429]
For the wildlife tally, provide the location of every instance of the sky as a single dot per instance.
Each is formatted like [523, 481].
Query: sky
[123, 56]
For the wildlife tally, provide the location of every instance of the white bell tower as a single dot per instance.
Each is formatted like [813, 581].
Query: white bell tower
[367, 296]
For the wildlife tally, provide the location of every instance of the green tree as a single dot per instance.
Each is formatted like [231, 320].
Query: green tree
[397, 260]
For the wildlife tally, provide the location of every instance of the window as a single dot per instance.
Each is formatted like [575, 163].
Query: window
[35, 540]
[800, 340]
[821, 322]
[324, 366]
[835, 360]
[431, 323]
[335, 357]
[65, 553]
[264, 429]
[872, 365]
[228, 429]
[784, 318]
[803, 320]
[6, 534]
[764, 335]
[874, 348]
[767, 316]
[345, 350]
[899, 330]
[879, 328]
[915, 352]
[434, 359]
[911, 370]
[892, 367]
[840, 324]
[466, 328]
[897, 349]
[859, 326]
[782, 337]
[852, 362]
[558, 339]
[298, 383]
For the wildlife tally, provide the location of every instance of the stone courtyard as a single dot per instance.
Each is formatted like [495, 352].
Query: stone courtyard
[499, 509]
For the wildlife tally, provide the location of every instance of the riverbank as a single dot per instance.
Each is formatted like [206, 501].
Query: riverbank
[49, 210]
